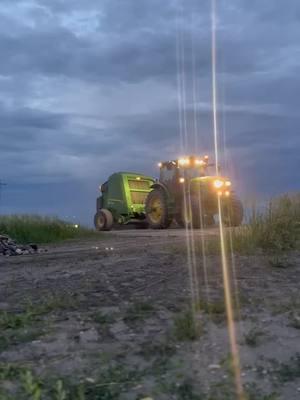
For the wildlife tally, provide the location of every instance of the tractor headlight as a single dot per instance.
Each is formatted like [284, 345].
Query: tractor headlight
[218, 183]
[200, 162]
[181, 180]
[183, 161]
[227, 183]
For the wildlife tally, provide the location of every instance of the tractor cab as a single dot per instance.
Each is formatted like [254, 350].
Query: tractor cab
[183, 169]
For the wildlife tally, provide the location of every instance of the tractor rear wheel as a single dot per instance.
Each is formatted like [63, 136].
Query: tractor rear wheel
[233, 212]
[189, 217]
[157, 212]
[103, 220]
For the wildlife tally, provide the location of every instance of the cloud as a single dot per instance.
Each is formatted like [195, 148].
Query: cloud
[87, 88]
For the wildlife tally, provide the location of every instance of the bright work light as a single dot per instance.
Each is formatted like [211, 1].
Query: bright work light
[183, 161]
[199, 162]
[218, 183]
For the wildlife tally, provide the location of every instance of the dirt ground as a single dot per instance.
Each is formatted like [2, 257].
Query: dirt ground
[108, 318]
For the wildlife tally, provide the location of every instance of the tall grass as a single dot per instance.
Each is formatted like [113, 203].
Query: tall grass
[276, 229]
[36, 229]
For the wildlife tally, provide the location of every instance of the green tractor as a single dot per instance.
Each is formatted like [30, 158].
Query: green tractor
[188, 193]
[122, 201]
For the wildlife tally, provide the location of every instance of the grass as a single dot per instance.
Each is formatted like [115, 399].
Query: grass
[252, 338]
[35, 229]
[289, 371]
[138, 311]
[24, 384]
[277, 229]
[28, 325]
[186, 327]
[216, 307]
[52, 303]
[103, 319]
[18, 328]
[165, 349]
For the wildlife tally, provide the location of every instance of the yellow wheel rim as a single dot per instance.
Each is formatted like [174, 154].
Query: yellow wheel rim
[156, 210]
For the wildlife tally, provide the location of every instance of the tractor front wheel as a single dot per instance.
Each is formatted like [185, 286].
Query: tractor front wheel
[233, 212]
[157, 212]
[103, 220]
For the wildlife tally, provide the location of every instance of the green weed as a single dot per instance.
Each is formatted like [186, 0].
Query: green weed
[186, 327]
[138, 311]
[107, 386]
[151, 349]
[32, 386]
[289, 371]
[103, 319]
[252, 338]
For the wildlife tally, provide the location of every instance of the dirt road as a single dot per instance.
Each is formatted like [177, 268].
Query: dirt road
[108, 319]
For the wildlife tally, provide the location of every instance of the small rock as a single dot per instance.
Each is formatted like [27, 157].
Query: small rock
[90, 380]
[214, 366]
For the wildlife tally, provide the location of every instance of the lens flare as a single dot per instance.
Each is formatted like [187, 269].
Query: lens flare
[225, 266]
[218, 183]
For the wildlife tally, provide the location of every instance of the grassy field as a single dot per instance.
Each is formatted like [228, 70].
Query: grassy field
[36, 229]
[276, 229]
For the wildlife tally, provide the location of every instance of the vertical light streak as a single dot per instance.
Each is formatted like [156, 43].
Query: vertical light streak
[214, 84]
[179, 97]
[229, 311]
[181, 89]
[194, 87]
[225, 269]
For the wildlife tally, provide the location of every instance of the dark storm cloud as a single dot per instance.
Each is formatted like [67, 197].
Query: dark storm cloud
[75, 87]
[138, 35]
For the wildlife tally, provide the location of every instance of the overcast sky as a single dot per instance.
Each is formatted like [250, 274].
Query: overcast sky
[89, 87]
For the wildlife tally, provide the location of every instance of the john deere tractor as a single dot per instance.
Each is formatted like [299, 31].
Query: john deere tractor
[187, 192]
[122, 201]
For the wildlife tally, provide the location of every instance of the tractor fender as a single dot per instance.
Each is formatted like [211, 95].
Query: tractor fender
[161, 186]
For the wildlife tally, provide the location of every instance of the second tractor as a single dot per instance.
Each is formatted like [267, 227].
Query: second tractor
[187, 192]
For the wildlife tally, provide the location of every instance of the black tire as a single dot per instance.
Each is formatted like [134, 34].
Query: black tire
[103, 220]
[157, 213]
[189, 217]
[209, 220]
[233, 212]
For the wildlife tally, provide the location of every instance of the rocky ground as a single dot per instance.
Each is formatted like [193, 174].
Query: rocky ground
[109, 319]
